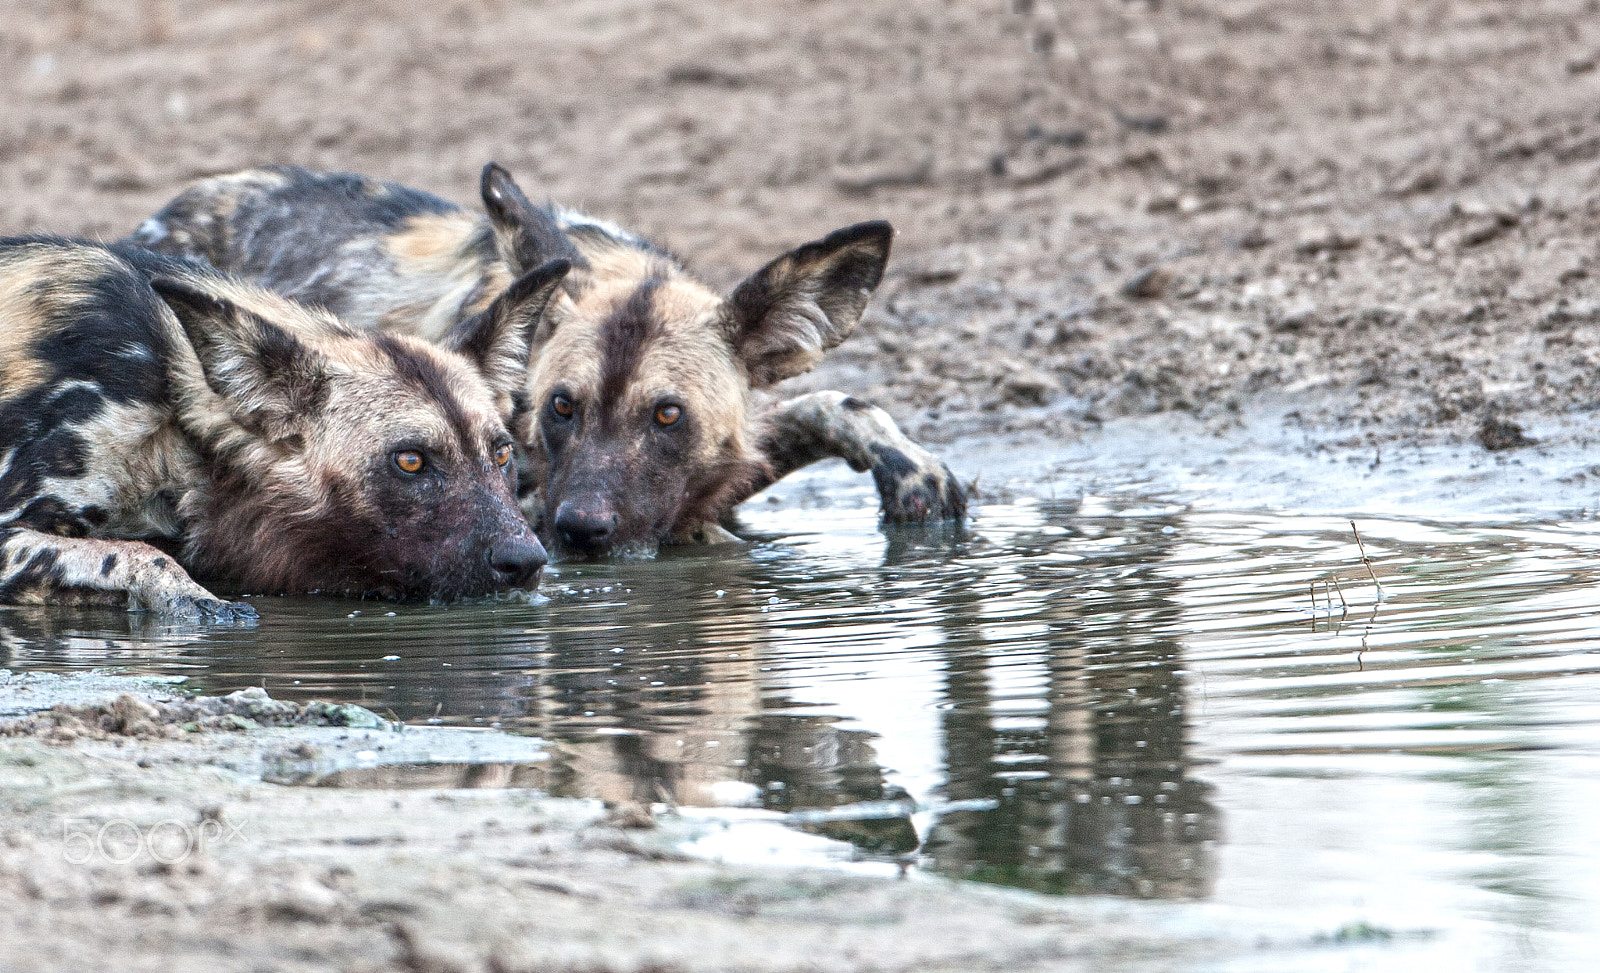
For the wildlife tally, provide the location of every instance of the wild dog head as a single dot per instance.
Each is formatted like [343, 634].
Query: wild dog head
[349, 461]
[641, 376]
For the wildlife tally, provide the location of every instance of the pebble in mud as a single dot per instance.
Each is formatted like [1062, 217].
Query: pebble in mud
[1296, 317]
[1498, 434]
[1148, 284]
[1028, 386]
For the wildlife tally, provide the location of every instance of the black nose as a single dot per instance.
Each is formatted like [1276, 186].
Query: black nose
[587, 526]
[516, 561]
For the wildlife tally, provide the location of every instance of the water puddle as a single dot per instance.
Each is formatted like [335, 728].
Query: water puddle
[1110, 694]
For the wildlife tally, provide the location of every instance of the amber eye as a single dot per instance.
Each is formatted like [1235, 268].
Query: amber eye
[502, 454]
[408, 461]
[561, 406]
[668, 415]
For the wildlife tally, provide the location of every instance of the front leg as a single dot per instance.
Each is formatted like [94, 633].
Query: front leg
[913, 484]
[43, 569]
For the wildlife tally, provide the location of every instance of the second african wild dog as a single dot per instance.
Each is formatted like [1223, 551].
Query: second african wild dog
[639, 422]
[157, 416]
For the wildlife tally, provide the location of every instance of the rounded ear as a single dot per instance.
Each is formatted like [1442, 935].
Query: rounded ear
[786, 315]
[526, 235]
[268, 376]
[499, 339]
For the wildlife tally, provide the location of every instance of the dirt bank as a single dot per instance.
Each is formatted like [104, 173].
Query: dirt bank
[1382, 209]
[147, 834]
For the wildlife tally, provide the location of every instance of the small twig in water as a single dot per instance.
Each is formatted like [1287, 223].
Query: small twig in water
[1365, 560]
[1340, 590]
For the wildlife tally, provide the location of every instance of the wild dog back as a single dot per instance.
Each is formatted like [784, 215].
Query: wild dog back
[86, 401]
[376, 254]
[265, 444]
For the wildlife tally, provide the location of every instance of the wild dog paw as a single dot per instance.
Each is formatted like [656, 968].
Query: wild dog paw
[179, 606]
[164, 589]
[914, 486]
[212, 610]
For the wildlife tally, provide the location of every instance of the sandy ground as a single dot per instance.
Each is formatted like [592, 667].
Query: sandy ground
[1367, 218]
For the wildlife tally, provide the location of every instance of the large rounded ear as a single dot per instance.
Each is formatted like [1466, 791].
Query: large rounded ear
[526, 235]
[783, 318]
[500, 338]
[268, 377]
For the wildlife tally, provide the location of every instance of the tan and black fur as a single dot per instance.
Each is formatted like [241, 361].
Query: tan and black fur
[630, 339]
[160, 420]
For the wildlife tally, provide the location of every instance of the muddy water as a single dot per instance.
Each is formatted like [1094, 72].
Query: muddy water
[1099, 695]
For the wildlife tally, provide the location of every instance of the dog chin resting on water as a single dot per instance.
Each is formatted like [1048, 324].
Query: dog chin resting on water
[161, 422]
[642, 414]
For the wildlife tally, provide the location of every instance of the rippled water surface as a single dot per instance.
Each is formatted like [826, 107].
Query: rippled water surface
[1119, 696]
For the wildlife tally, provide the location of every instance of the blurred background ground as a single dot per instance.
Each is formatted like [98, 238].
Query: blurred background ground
[1376, 214]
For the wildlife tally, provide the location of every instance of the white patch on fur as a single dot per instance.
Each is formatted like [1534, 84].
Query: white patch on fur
[151, 231]
[569, 219]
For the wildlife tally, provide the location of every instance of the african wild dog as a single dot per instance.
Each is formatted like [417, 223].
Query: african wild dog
[639, 422]
[157, 416]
